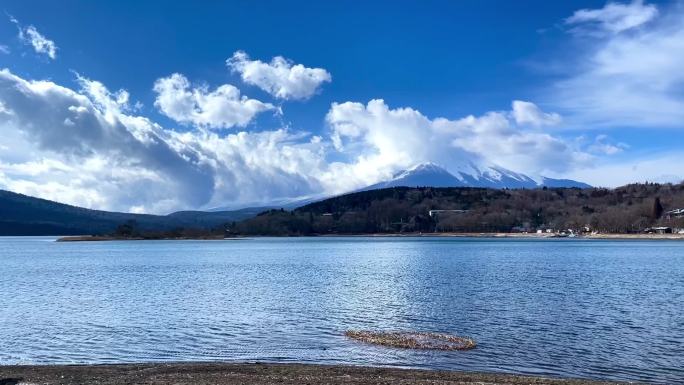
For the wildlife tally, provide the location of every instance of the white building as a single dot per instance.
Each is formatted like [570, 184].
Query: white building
[435, 213]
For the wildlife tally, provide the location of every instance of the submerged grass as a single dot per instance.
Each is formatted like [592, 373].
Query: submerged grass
[413, 340]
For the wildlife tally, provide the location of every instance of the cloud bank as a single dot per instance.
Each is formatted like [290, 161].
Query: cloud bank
[88, 147]
[404, 137]
[83, 147]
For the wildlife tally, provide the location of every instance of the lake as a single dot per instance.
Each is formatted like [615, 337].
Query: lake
[569, 308]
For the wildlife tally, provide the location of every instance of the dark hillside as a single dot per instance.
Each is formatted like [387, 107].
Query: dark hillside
[627, 209]
[25, 215]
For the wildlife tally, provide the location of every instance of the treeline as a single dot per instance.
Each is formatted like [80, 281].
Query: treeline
[132, 230]
[627, 209]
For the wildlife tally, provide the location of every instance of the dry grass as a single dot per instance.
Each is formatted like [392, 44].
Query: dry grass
[413, 340]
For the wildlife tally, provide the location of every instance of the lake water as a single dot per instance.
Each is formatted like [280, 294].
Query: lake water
[569, 308]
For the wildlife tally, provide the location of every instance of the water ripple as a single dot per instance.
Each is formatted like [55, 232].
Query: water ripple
[591, 309]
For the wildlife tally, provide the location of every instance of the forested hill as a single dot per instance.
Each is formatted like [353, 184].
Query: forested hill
[627, 209]
[25, 215]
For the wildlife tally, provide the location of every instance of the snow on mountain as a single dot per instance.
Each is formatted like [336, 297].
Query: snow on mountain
[425, 174]
[432, 175]
[470, 175]
[285, 203]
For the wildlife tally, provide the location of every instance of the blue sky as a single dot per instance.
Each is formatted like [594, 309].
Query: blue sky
[382, 86]
[379, 51]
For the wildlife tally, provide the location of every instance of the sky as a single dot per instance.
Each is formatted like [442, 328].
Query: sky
[160, 106]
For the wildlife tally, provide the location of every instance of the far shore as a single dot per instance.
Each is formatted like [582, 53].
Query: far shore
[516, 235]
[258, 374]
[95, 238]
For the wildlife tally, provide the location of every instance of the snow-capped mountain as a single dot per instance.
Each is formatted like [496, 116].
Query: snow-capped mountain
[432, 175]
[469, 175]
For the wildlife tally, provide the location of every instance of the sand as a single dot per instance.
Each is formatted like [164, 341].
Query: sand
[253, 374]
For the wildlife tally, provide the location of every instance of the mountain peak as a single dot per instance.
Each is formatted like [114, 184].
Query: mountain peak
[419, 169]
[426, 166]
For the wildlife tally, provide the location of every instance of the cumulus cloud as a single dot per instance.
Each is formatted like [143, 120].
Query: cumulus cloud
[627, 79]
[388, 137]
[529, 113]
[40, 43]
[281, 77]
[613, 17]
[219, 108]
[110, 150]
[82, 147]
[88, 147]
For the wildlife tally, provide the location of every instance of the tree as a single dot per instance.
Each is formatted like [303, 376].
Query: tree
[128, 229]
[657, 211]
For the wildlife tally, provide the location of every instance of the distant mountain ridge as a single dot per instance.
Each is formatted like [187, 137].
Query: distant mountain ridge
[428, 175]
[471, 175]
[24, 215]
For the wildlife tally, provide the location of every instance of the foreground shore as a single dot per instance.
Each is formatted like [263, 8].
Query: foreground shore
[255, 374]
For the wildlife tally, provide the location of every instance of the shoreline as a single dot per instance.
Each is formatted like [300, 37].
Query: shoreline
[104, 238]
[513, 235]
[97, 238]
[259, 374]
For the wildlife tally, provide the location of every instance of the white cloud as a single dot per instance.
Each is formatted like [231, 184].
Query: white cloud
[658, 167]
[383, 138]
[40, 43]
[529, 113]
[101, 97]
[220, 108]
[83, 148]
[613, 17]
[602, 145]
[628, 79]
[4, 110]
[4, 49]
[89, 148]
[280, 78]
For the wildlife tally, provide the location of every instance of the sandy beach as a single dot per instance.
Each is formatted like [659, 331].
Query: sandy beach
[255, 374]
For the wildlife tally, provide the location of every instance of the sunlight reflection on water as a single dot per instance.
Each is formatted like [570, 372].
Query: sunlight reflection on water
[577, 308]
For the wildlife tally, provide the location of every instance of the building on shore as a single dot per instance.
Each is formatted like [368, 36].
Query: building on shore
[674, 214]
[659, 230]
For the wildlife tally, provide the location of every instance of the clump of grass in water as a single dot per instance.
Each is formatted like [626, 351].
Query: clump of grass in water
[413, 340]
